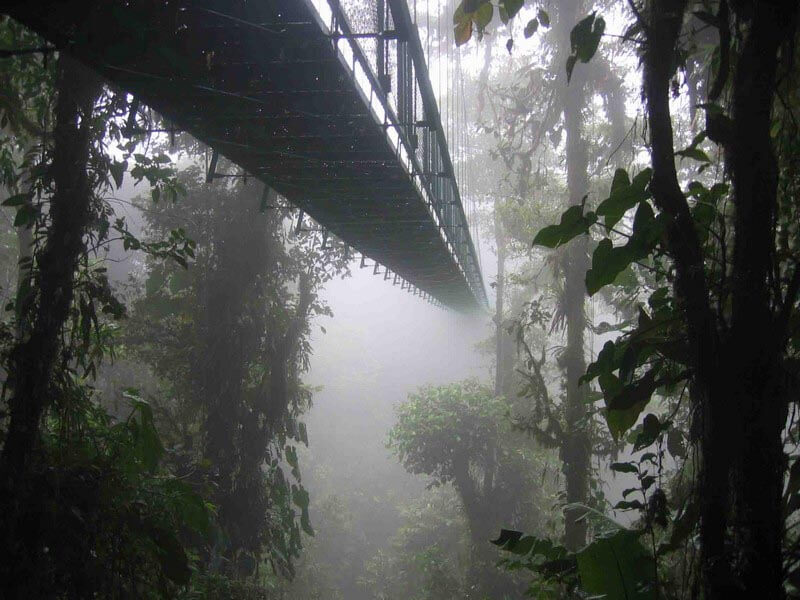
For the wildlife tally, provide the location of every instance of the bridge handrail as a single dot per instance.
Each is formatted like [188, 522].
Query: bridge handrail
[404, 26]
[403, 22]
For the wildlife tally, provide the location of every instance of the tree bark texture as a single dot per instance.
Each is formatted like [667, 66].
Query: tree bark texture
[739, 406]
[37, 350]
[34, 356]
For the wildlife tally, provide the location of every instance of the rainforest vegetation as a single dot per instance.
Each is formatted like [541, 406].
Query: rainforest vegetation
[205, 394]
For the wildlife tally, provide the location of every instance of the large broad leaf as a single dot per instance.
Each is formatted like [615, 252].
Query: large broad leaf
[617, 567]
[624, 195]
[512, 7]
[608, 261]
[585, 38]
[550, 561]
[614, 567]
[573, 223]
[483, 15]
[624, 406]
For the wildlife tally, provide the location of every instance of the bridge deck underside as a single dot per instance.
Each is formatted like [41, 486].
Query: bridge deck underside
[261, 82]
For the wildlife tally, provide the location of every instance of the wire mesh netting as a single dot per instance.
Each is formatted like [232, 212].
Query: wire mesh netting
[427, 129]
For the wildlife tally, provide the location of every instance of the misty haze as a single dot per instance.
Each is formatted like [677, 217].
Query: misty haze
[400, 299]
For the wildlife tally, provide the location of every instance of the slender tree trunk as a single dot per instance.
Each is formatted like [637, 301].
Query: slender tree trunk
[575, 446]
[504, 370]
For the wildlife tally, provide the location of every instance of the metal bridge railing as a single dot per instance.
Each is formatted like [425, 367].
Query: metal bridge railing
[380, 44]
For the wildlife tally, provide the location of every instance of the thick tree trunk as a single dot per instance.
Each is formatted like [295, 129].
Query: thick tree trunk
[37, 349]
[34, 357]
[760, 405]
[663, 29]
[739, 402]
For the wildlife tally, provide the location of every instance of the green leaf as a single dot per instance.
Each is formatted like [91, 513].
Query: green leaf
[585, 37]
[543, 17]
[621, 420]
[624, 467]
[634, 393]
[624, 406]
[694, 153]
[302, 433]
[531, 27]
[483, 16]
[573, 223]
[507, 537]
[629, 505]
[605, 362]
[617, 567]
[512, 7]
[26, 215]
[624, 195]
[608, 261]
[676, 444]
[117, 170]
[584, 40]
[463, 32]
[571, 60]
[17, 200]
[651, 429]
[504, 18]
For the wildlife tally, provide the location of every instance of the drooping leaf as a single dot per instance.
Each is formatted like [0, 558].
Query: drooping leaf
[608, 261]
[584, 40]
[624, 467]
[483, 16]
[624, 195]
[117, 170]
[652, 427]
[512, 7]
[617, 567]
[694, 153]
[544, 18]
[26, 215]
[573, 223]
[531, 27]
[463, 32]
[17, 200]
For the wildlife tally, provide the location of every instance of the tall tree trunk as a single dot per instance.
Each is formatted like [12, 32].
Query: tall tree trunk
[691, 290]
[34, 357]
[575, 446]
[735, 385]
[36, 351]
[760, 403]
[504, 371]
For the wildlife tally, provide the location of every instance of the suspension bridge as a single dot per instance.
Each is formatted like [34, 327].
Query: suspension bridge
[329, 102]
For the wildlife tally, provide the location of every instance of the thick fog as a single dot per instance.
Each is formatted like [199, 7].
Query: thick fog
[216, 383]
